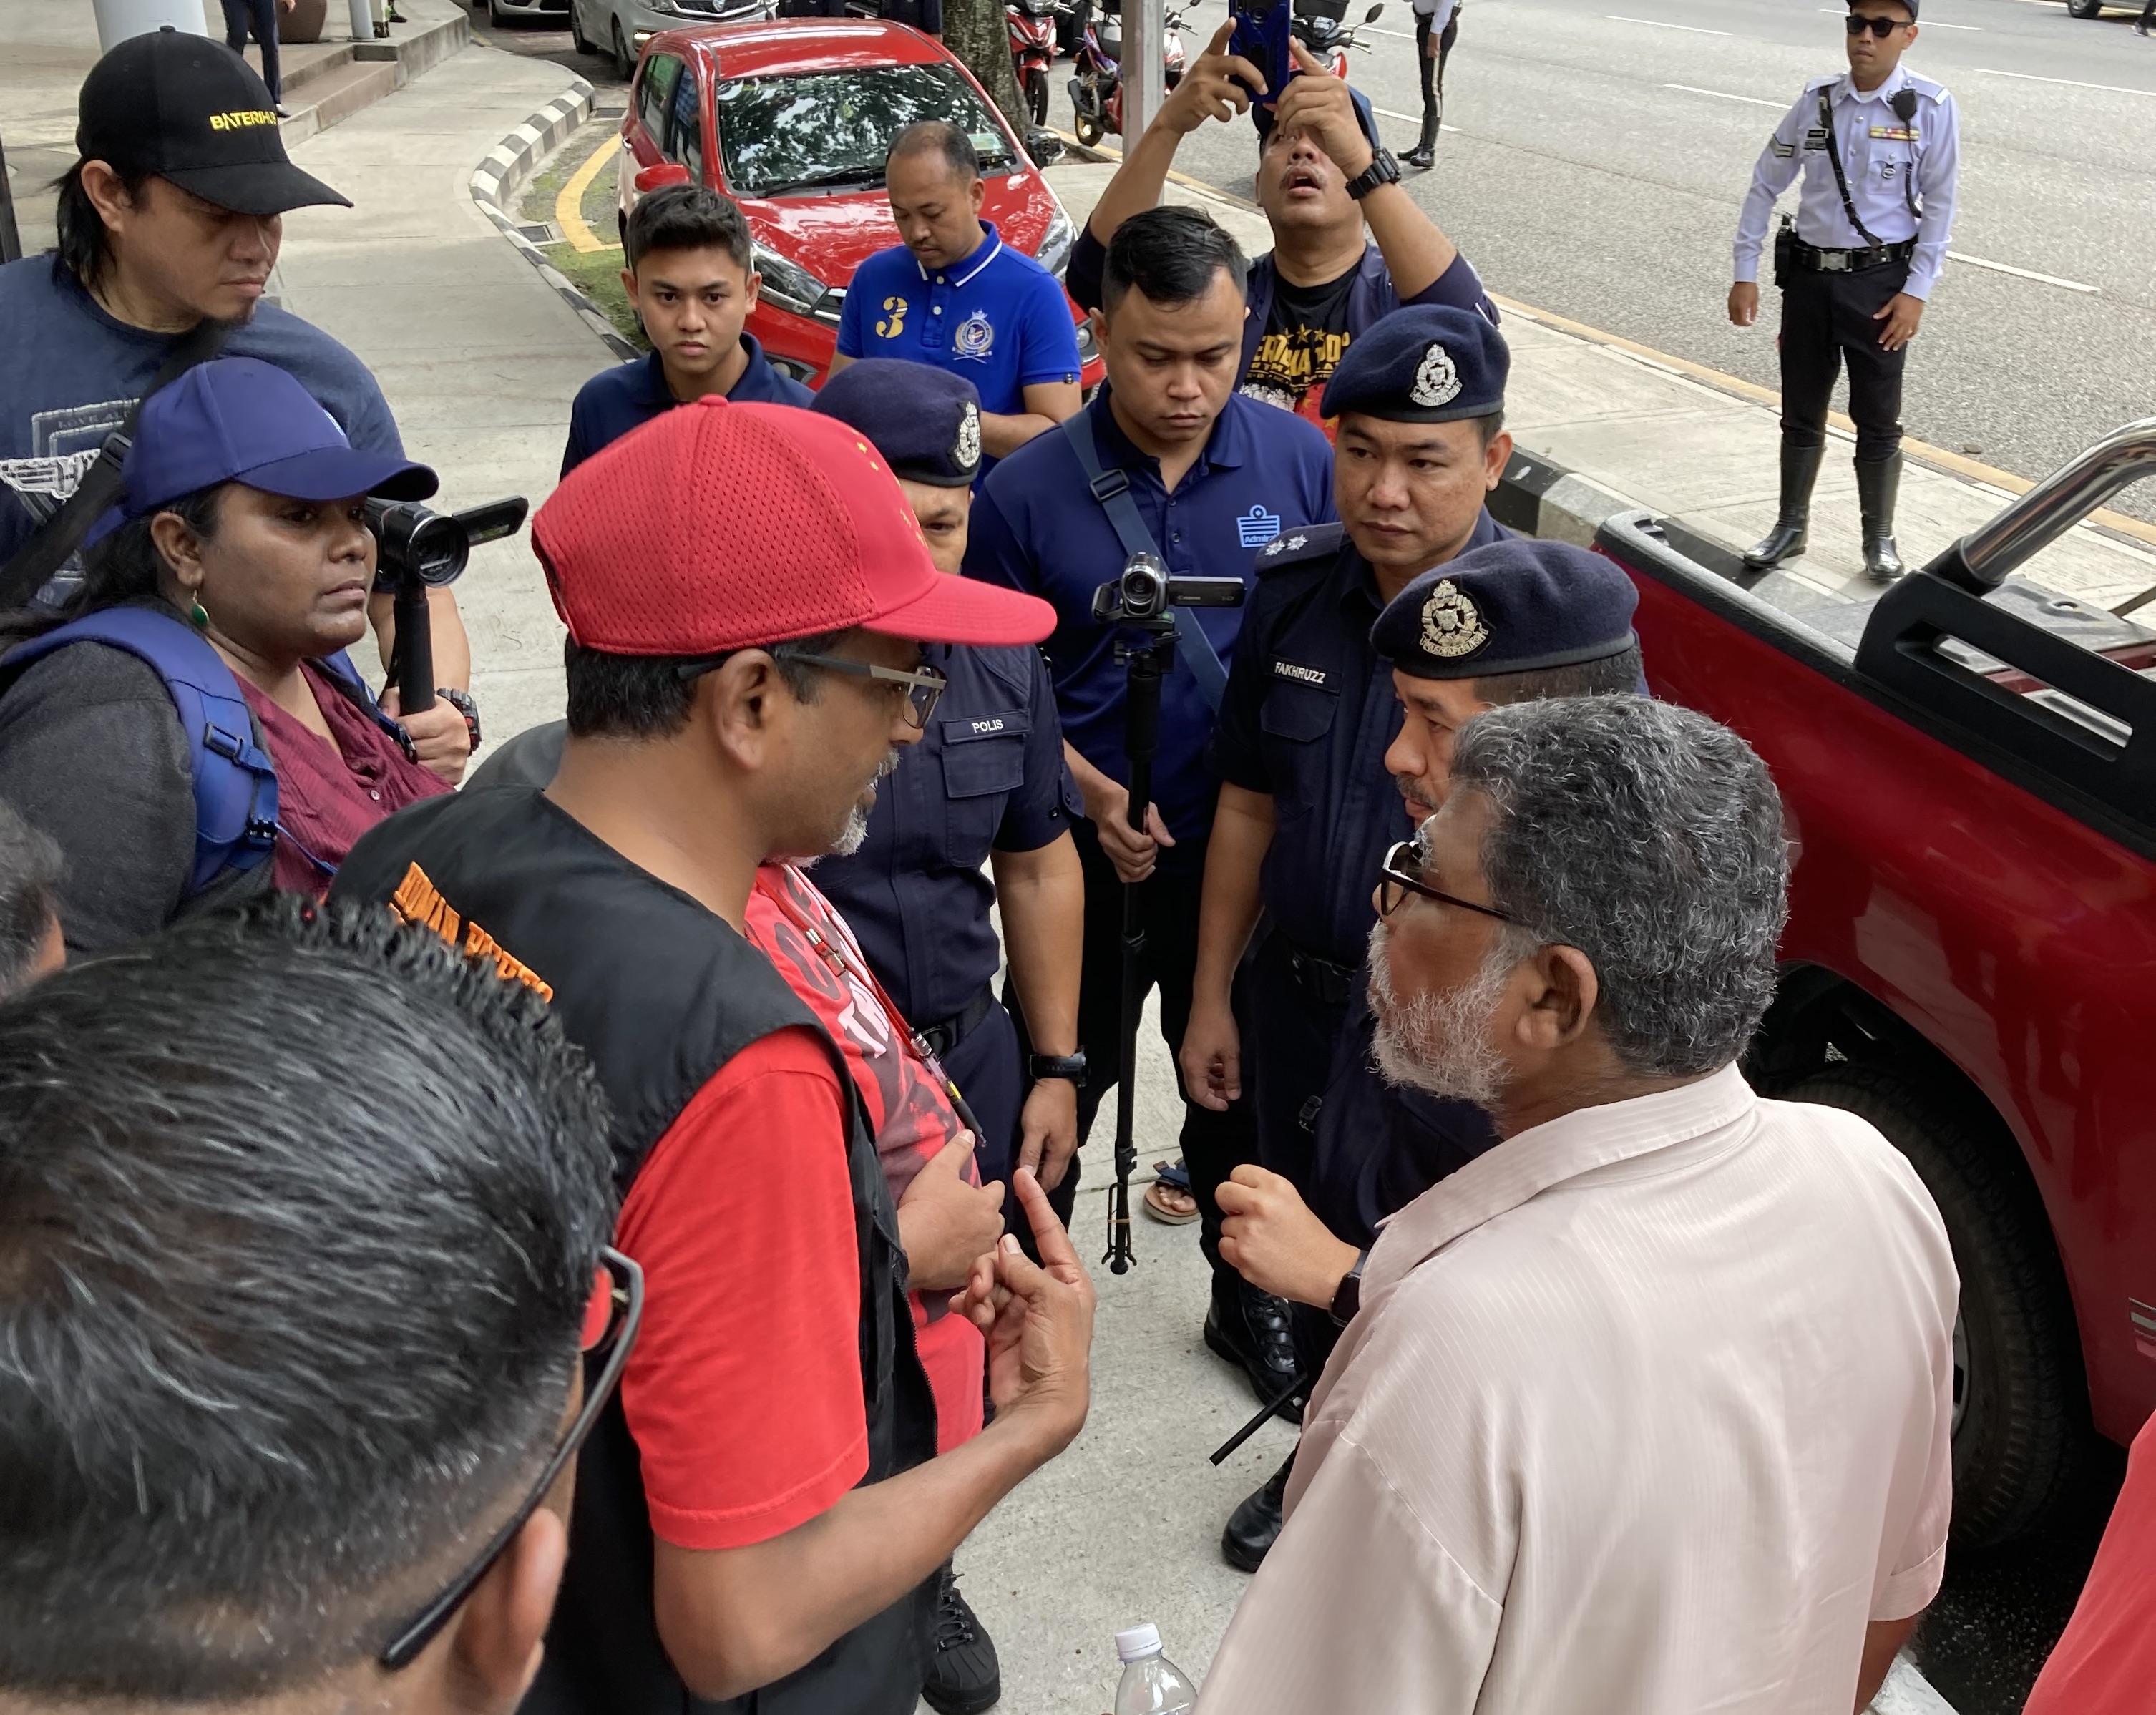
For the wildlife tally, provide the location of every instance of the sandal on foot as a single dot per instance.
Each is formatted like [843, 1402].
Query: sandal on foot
[1167, 1198]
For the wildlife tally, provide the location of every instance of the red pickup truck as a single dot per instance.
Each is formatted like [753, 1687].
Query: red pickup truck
[1969, 767]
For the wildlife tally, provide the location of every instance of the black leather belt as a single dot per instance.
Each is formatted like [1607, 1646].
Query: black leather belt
[939, 1038]
[1815, 260]
[1324, 980]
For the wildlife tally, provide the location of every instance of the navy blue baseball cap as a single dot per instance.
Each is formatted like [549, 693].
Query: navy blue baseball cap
[1426, 363]
[925, 422]
[238, 419]
[1515, 606]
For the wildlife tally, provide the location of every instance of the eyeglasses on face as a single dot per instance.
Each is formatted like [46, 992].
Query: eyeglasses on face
[1881, 28]
[1401, 875]
[924, 685]
[610, 1326]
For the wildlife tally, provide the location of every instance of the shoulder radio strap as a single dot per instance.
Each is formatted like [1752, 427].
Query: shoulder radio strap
[1112, 489]
[61, 534]
[1840, 178]
[1903, 101]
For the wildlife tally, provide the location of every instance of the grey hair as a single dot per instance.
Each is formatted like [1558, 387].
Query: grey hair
[29, 894]
[1650, 838]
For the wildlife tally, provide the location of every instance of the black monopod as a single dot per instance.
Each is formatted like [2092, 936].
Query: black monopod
[421, 549]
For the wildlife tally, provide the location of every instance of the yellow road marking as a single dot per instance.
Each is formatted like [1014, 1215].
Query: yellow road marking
[569, 206]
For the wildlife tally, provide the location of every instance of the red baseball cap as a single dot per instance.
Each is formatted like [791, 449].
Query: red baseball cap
[719, 526]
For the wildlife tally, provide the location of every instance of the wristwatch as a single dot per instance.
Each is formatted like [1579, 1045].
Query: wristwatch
[1382, 170]
[1057, 1065]
[1347, 1296]
[461, 702]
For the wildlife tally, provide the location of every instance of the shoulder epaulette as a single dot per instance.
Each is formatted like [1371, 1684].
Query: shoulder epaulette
[1926, 88]
[1303, 545]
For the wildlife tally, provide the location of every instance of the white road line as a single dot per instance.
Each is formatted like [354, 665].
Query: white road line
[2029, 77]
[1371, 29]
[1655, 23]
[1929, 23]
[2049, 280]
[1411, 118]
[1723, 95]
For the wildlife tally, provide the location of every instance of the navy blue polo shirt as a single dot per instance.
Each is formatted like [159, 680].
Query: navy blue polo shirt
[999, 318]
[1307, 717]
[988, 774]
[1036, 527]
[629, 395]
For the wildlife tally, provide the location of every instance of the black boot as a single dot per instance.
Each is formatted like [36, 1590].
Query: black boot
[1251, 1329]
[1256, 1522]
[1800, 469]
[1425, 149]
[964, 1678]
[1876, 486]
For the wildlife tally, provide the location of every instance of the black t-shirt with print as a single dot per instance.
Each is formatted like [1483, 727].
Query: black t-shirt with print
[1306, 336]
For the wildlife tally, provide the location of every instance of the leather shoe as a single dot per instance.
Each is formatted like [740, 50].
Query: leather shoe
[1254, 1524]
[964, 1677]
[1252, 1330]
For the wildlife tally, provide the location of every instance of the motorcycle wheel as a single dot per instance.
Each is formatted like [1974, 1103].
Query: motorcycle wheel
[1036, 94]
[1088, 130]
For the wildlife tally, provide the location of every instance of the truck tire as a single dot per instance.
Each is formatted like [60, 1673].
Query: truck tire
[2020, 1398]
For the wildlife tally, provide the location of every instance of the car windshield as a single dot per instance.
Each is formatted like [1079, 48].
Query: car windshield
[829, 128]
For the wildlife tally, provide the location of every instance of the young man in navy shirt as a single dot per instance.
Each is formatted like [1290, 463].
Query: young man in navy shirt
[954, 295]
[692, 278]
[1214, 477]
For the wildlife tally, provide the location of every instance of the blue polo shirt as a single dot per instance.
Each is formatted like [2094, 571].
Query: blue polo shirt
[629, 395]
[987, 775]
[1036, 527]
[1307, 718]
[999, 318]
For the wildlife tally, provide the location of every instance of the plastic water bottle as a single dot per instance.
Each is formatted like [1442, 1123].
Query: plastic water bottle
[1151, 1684]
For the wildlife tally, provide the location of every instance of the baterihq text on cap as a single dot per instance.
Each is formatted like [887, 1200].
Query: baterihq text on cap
[184, 108]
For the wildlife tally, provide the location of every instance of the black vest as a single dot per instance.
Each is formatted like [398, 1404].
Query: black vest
[660, 993]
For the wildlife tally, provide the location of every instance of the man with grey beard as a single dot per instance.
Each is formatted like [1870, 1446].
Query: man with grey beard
[1646, 1407]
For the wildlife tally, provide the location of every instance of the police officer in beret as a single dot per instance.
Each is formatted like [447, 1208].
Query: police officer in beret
[1506, 621]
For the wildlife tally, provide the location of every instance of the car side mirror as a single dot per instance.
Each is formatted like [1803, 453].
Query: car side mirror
[658, 177]
[1373, 14]
[1045, 147]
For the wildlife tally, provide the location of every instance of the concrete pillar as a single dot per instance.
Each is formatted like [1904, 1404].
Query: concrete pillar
[1145, 82]
[363, 21]
[119, 19]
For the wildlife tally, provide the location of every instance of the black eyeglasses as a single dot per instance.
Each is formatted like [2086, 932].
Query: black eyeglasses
[1881, 28]
[1401, 875]
[622, 1301]
[924, 685]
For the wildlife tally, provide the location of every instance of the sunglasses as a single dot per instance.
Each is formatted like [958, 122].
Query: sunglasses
[924, 685]
[610, 1321]
[1881, 28]
[1401, 875]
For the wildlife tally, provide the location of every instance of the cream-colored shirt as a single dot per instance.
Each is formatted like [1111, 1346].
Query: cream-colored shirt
[1646, 1410]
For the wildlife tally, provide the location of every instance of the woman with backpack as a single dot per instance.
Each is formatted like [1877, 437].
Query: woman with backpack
[188, 727]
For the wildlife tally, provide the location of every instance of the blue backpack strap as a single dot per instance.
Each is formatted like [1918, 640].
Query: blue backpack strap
[1112, 489]
[235, 782]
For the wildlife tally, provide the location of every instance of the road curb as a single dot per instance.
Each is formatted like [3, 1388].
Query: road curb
[496, 180]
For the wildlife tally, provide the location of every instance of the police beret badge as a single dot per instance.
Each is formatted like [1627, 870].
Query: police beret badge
[966, 450]
[1451, 624]
[1436, 381]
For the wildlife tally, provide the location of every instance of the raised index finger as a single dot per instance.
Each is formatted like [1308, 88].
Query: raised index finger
[1050, 1236]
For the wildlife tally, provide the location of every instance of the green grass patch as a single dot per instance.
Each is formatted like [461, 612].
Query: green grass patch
[596, 274]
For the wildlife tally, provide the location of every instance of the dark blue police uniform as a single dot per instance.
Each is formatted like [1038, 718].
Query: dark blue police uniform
[629, 395]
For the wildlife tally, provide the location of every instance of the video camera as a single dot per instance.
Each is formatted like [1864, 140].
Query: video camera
[419, 548]
[1144, 592]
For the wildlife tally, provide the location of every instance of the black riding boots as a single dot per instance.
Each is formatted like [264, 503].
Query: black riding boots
[1876, 486]
[1800, 469]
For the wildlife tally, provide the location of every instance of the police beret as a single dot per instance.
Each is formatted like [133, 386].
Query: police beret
[1515, 606]
[926, 422]
[1426, 363]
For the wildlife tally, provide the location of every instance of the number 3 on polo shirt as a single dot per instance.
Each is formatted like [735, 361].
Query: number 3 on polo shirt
[894, 322]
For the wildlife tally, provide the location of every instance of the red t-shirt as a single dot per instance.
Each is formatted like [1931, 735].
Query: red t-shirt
[744, 1391]
[2105, 1663]
[913, 1119]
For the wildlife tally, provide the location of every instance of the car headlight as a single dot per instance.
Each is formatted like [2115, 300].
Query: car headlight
[788, 285]
[1055, 248]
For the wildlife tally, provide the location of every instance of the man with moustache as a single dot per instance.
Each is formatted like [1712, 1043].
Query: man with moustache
[1648, 1407]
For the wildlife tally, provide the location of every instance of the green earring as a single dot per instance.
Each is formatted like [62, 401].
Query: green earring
[198, 615]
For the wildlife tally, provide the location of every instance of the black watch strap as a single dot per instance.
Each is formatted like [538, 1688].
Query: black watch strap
[1347, 1296]
[1057, 1065]
[1382, 170]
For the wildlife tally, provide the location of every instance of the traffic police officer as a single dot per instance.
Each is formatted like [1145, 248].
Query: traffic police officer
[1170, 460]
[986, 784]
[1505, 622]
[1879, 148]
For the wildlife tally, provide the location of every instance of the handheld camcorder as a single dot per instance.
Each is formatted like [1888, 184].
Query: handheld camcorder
[417, 548]
[1144, 593]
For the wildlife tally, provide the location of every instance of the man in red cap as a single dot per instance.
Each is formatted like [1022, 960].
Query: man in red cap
[746, 595]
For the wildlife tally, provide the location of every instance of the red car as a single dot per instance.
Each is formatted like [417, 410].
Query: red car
[791, 119]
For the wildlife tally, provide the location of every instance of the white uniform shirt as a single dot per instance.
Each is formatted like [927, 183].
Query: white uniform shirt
[1646, 1410]
[1438, 12]
[1878, 154]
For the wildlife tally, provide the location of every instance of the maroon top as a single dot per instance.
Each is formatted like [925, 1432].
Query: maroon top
[328, 796]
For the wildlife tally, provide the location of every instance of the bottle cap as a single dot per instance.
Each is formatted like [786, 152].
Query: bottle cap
[1138, 1642]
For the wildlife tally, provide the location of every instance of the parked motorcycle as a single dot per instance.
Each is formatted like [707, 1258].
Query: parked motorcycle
[1097, 92]
[1032, 24]
[1318, 27]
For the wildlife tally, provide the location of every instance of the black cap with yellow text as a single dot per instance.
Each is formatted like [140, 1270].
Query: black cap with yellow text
[184, 108]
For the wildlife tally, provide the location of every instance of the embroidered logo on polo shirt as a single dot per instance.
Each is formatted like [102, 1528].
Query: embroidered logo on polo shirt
[894, 322]
[975, 338]
[1257, 527]
[1306, 675]
[1451, 624]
